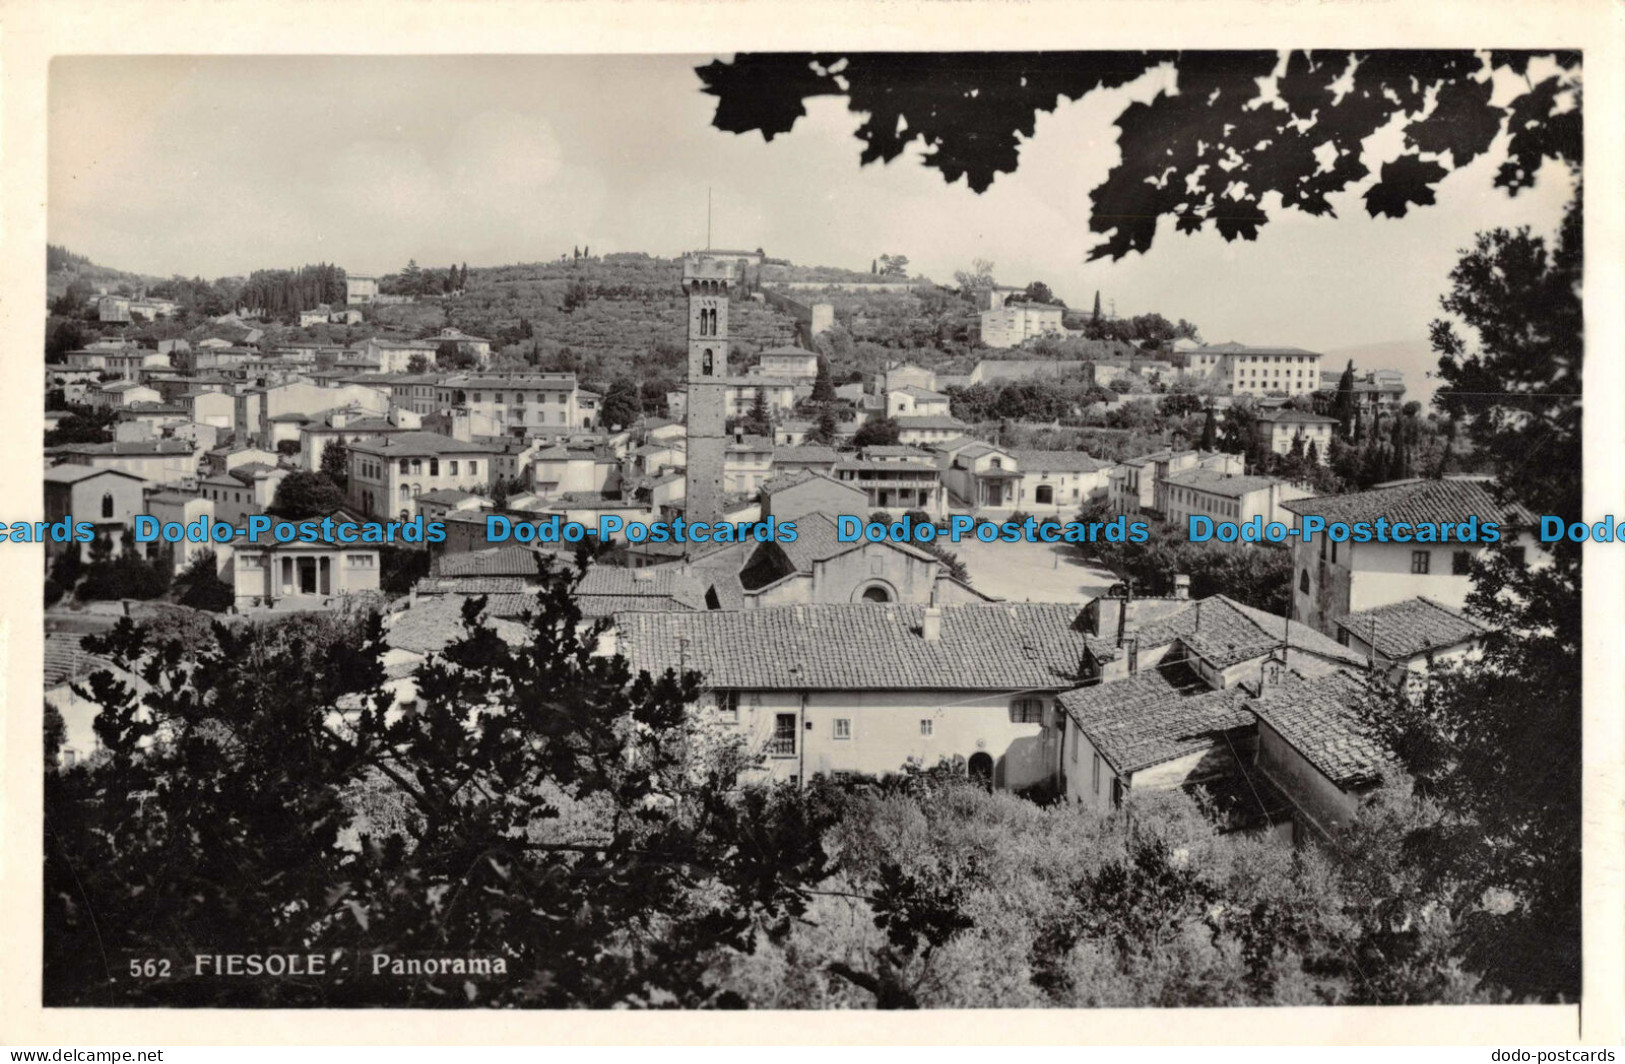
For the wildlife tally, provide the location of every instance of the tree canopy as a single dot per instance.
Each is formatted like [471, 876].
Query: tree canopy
[1241, 125]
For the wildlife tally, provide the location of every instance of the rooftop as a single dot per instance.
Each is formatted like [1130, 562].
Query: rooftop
[1215, 483]
[1154, 716]
[1415, 626]
[1325, 720]
[417, 444]
[493, 561]
[1224, 632]
[1428, 501]
[862, 646]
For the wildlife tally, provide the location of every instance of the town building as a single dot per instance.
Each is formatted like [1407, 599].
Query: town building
[158, 461]
[747, 463]
[1227, 497]
[1014, 323]
[1406, 639]
[108, 499]
[243, 491]
[792, 363]
[788, 496]
[915, 402]
[894, 477]
[1333, 580]
[1281, 430]
[389, 473]
[300, 575]
[866, 688]
[360, 288]
[777, 394]
[1238, 369]
[519, 402]
[1139, 485]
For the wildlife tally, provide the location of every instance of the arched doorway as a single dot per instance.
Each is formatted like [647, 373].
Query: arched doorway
[981, 768]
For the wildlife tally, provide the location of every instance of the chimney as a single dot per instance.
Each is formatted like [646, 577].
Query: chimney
[931, 625]
[1182, 586]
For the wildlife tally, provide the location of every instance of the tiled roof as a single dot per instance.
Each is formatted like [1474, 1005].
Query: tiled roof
[72, 474]
[1405, 629]
[606, 590]
[889, 450]
[1216, 483]
[1233, 348]
[430, 624]
[928, 421]
[862, 646]
[1057, 462]
[914, 391]
[1154, 716]
[1287, 414]
[494, 561]
[807, 453]
[1424, 501]
[418, 444]
[1225, 632]
[797, 477]
[1323, 720]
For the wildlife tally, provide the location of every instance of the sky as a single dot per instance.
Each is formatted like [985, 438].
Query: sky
[217, 166]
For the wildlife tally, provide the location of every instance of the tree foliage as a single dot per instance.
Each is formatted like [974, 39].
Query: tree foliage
[1241, 126]
[537, 803]
[303, 494]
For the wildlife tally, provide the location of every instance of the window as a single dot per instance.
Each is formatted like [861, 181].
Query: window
[454, 467]
[1461, 563]
[783, 743]
[1519, 555]
[417, 465]
[1420, 560]
[406, 492]
[434, 467]
[1303, 582]
[107, 505]
[1323, 542]
[1094, 774]
[1334, 553]
[360, 561]
[473, 469]
[926, 727]
[728, 706]
[406, 467]
[1027, 711]
[706, 364]
[843, 727]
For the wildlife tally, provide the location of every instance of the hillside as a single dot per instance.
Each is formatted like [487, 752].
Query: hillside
[63, 268]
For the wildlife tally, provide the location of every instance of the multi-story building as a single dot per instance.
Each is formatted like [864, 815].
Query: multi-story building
[1237, 369]
[866, 687]
[518, 402]
[789, 362]
[1013, 324]
[389, 473]
[1333, 580]
[360, 288]
[158, 461]
[1139, 484]
[1227, 497]
[900, 478]
[1281, 429]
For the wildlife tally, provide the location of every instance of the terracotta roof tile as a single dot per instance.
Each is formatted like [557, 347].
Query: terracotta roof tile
[1427, 501]
[1155, 716]
[863, 646]
[1415, 626]
[1325, 720]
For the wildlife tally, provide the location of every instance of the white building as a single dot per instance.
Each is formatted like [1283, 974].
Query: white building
[1333, 580]
[1014, 324]
[1237, 369]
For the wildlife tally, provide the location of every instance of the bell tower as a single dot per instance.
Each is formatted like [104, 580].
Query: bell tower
[706, 280]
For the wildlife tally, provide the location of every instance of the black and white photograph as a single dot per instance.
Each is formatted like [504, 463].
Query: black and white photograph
[1050, 528]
